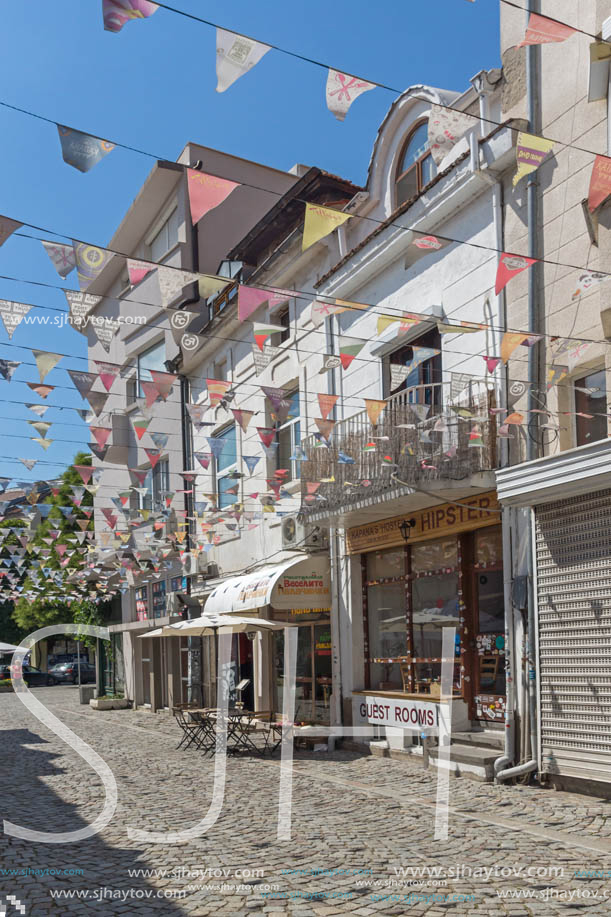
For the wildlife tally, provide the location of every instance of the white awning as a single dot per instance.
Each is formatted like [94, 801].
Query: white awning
[298, 583]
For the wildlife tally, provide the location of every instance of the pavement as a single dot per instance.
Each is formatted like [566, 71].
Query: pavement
[362, 835]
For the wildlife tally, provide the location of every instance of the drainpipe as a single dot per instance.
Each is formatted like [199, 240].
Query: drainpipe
[335, 583]
[533, 56]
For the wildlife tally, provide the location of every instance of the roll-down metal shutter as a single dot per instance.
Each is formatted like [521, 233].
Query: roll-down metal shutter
[573, 557]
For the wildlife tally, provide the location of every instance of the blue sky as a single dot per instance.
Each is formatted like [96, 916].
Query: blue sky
[152, 86]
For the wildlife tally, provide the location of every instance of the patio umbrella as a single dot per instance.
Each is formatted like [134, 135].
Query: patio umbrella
[8, 648]
[210, 624]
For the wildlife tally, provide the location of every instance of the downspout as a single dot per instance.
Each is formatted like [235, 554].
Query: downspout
[533, 57]
[337, 718]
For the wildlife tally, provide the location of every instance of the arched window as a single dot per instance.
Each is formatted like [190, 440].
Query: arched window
[416, 166]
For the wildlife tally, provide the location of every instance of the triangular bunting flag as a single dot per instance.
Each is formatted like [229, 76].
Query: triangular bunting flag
[97, 400]
[325, 427]
[267, 435]
[101, 435]
[117, 12]
[41, 390]
[7, 228]
[83, 381]
[7, 368]
[164, 382]
[108, 373]
[445, 128]
[217, 388]
[235, 56]
[171, 283]
[600, 182]
[62, 257]
[531, 151]
[90, 262]
[45, 362]
[250, 298]
[349, 348]
[243, 417]
[511, 340]
[206, 192]
[541, 30]
[374, 408]
[509, 266]
[262, 332]
[319, 222]
[326, 404]
[140, 425]
[342, 90]
[11, 314]
[138, 270]
[82, 150]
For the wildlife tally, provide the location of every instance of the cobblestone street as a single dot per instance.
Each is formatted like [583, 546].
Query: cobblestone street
[351, 813]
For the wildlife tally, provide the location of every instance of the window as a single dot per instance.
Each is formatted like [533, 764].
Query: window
[158, 593]
[153, 358]
[421, 385]
[225, 464]
[591, 399]
[157, 481]
[416, 165]
[165, 239]
[281, 317]
[289, 438]
[178, 584]
[142, 603]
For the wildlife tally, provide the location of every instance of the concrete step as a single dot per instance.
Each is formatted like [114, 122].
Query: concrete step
[481, 738]
[468, 760]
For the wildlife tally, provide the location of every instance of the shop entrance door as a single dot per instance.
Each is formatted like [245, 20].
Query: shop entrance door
[489, 645]
[313, 675]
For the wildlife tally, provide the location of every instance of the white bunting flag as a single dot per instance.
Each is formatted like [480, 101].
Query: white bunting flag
[62, 257]
[342, 90]
[11, 314]
[235, 56]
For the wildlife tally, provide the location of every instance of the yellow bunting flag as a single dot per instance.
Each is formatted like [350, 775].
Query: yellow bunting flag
[374, 409]
[319, 222]
[45, 362]
[531, 151]
[511, 340]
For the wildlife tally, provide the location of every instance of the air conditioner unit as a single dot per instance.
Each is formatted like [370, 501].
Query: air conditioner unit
[296, 534]
[207, 568]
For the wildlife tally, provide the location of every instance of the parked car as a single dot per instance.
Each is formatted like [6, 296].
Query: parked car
[68, 672]
[31, 675]
[60, 658]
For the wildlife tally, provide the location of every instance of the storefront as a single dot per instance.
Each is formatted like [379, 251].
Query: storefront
[568, 497]
[298, 592]
[449, 572]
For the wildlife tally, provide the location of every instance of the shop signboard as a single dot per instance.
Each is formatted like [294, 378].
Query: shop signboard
[433, 522]
[398, 712]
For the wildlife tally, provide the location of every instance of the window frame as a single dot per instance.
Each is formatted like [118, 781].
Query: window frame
[582, 422]
[290, 424]
[220, 473]
[140, 371]
[417, 165]
[163, 223]
[433, 366]
[154, 499]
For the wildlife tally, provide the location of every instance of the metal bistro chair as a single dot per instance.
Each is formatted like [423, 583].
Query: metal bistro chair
[190, 729]
[206, 737]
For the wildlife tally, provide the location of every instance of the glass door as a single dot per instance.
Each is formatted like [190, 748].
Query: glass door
[489, 600]
[313, 673]
[322, 672]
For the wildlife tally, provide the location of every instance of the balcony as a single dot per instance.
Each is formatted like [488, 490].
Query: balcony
[454, 446]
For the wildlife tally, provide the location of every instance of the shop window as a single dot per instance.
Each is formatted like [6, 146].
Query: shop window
[416, 165]
[226, 485]
[178, 584]
[591, 399]
[288, 438]
[386, 616]
[153, 358]
[422, 386]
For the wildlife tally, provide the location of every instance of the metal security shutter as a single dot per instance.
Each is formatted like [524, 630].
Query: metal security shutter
[573, 555]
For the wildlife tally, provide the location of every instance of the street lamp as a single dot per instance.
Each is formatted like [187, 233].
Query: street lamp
[406, 527]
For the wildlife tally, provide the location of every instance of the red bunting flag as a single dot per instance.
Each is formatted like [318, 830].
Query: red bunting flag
[101, 435]
[151, 393]
[541, 30]
[266, 435]
[153, 456]
[509, 266]
[164, 382]
[217, 389]
[85, 471]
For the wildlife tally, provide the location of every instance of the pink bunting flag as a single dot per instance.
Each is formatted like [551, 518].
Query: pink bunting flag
[326, 404]
[206, 192]
[164, 382]
[267, 435]
[117, 12]
[137, 270]
[250, 298]
[151, 393]
[491, 363]
[101, 435]
[108, 373]
[541, 30]
[85, 472]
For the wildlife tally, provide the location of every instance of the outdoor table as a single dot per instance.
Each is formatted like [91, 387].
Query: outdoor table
[238, 724]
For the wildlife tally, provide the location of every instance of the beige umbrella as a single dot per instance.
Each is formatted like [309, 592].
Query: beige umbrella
[210, 624]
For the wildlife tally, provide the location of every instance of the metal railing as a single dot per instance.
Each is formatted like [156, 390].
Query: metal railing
[420, 436]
